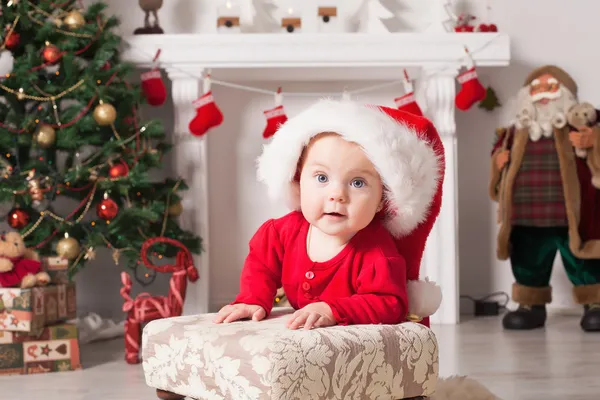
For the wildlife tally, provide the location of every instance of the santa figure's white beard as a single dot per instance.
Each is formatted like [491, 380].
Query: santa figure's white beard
[540, 119]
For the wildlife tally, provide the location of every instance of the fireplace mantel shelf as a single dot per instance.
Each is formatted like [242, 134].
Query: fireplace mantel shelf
[261, 55]
[437, 57]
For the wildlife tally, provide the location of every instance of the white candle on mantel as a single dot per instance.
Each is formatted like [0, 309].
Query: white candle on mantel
[228, 17]
[229, 8]
[290, 9]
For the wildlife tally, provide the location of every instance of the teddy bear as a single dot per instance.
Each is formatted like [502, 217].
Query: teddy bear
[582, 115]
[19, 266]
[586, 115]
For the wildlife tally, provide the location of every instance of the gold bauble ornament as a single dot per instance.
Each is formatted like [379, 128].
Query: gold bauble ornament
[68, 248]
[175, 209]
[74, 20]
[45, 136]
[105, 114]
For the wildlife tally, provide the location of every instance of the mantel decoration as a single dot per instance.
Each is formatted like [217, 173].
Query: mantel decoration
[323, 16]
[150, 7]
[209, 115]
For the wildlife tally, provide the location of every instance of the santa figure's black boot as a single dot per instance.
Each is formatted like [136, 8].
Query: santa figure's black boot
[590, 322]
[525, 318]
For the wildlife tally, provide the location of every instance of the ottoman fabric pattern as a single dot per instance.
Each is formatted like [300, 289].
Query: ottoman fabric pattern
[191, 356]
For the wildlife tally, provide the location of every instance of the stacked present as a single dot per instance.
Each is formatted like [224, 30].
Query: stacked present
[34, 334]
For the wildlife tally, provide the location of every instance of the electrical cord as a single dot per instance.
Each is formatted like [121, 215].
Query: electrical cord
[486, 307]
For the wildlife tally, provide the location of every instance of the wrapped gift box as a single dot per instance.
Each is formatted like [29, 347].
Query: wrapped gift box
[58, 269]
[31, 310]
[55, 349]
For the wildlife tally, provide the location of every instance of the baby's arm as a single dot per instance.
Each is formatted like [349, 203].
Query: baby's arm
[381, 295]
[261, 276]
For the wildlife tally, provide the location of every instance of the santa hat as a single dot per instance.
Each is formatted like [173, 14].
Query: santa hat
[560, 74]
[405, 149]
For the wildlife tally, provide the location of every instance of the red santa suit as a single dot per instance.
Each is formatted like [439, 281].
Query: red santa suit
[367, 281]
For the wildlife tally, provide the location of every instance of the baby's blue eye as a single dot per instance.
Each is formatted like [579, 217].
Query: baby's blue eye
[321, 178]
[358, 183]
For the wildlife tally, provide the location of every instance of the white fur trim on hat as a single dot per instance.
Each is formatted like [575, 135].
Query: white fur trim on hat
[406, 162]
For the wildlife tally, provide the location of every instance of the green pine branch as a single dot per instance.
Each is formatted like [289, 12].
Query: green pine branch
[84, 151]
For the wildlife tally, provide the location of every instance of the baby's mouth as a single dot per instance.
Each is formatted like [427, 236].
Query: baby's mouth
[334, 214]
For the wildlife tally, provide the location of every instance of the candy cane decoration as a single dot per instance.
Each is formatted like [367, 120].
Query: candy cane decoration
[145, 307]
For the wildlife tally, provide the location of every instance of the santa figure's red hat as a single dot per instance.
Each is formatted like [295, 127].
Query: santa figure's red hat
[407, 152]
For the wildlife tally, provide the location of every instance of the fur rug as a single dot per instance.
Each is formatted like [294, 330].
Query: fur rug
[461, 388]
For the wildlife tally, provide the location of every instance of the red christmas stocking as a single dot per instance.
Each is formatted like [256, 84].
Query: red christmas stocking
[408, 103]
[275, 117]
[208, 115]
[153, 87]
[471, 91]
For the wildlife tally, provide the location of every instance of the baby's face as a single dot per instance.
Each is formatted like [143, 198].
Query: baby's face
[340, 190]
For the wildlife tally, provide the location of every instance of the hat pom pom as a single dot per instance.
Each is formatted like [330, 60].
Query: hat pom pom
[424, 298]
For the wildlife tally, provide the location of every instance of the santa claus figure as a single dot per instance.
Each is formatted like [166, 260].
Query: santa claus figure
[547, 202]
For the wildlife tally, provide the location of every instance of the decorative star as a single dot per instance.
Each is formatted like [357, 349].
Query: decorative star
[15, 321]
[46, 350]
[64, 366]
[90, 254]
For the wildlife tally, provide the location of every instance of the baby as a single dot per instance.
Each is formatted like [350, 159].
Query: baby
[364, 184]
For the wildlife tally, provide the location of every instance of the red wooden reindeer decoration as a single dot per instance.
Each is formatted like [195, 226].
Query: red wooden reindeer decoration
[145, 308]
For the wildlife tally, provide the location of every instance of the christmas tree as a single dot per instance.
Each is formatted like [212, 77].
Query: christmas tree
[75, 155]
[370, 16]
[490, 101]
[263, 18]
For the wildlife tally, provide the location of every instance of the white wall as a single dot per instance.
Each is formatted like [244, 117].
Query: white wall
[538, 29]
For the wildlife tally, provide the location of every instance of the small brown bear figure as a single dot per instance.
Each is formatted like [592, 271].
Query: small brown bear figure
[19, 266]
[580, 116]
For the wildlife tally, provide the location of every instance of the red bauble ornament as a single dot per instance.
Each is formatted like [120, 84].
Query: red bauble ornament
[18, 219]
[487, 28]
[464, 28]
[51, 54]
[107, 209]
[106, 66]
[12, 41]
[119, 170]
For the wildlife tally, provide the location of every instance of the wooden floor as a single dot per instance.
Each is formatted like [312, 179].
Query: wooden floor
[560, 362]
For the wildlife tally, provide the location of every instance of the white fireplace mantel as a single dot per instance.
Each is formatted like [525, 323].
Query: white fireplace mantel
[280, 57]
[317, 57]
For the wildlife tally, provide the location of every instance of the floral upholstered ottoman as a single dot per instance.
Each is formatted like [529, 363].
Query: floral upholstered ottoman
[191, 356]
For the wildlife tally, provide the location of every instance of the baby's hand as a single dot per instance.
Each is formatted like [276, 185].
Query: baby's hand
[231, 313]
[317, 315]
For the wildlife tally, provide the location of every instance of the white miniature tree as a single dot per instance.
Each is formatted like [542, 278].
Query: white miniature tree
[262, 15]
[247, 12]
[370, 16]
[443, 17]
